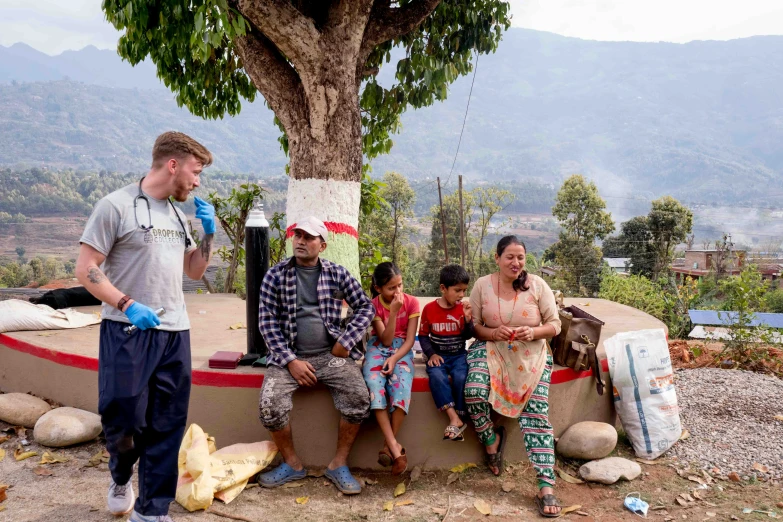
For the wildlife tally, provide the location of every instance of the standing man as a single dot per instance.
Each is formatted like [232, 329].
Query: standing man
[300, 307]
[140, 239]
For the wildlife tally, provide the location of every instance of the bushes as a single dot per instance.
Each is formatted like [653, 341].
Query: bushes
[636, 291]
[664, 300]
[774, 301]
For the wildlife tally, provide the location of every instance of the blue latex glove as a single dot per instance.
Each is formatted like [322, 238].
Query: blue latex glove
[142, 317]
[206, 213]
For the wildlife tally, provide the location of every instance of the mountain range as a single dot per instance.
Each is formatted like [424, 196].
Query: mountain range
[702, 121]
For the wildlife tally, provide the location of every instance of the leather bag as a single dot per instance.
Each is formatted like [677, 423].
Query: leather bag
[575, 345]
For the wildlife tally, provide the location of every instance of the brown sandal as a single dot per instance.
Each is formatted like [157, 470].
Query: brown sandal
[400, 464]
[385, 458]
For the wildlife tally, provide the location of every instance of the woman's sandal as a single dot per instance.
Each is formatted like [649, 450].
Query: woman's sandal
[456, 431]
[385, 458]
[400, 463]
[495, 460]
[548, 500]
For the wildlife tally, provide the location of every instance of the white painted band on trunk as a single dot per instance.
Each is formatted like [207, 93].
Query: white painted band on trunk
[325, 199]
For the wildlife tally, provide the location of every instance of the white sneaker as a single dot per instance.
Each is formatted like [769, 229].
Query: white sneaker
[135, 517]
[121, 498]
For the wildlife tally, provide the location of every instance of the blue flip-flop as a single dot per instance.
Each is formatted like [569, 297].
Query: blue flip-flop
[345, 482]
[280, 475]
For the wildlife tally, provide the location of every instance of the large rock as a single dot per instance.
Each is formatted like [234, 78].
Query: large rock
[587, 440]
[20, 409]
[67, 426]
[609, 471]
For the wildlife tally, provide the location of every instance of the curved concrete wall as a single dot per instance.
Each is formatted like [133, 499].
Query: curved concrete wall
[63, 367]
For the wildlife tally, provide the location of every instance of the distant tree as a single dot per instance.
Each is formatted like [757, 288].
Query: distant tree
[583, 219]
[20, 251]
[390, 222]
[669, 223]
[581, 210]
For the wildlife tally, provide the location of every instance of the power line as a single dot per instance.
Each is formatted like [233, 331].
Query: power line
[475, 70]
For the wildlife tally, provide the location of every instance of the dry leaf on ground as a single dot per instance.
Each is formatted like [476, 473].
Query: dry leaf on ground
[681, 502]
[2, 455]
[462, 467]
[53, 458]
[452, 478]
[302, 500]
[237, 326]
[3, 487]
[685, 434]
[399, 490]
[315, 473]
[760, 467]
[734, 477]
[779, 417]
[41, 471]
[508, 487]
[4, 438]
[388, 505]
[695, 479]
[482, 507]
[415, 474]
[439, 511]
[569, 509]
[407, 502]
[569, 478]
[2, 508]
[370, 482]
[291, 485]
[583, 513]
[21, 454]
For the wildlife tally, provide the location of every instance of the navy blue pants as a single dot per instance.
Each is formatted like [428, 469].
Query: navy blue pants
[449, 394]
[143, 394]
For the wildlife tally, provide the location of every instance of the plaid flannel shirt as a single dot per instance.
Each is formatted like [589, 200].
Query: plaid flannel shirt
[277, 309]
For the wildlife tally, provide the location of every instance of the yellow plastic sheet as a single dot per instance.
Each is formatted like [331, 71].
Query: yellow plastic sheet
[205, 474]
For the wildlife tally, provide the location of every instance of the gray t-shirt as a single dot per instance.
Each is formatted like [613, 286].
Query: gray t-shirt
[312, 337]
[147, 266]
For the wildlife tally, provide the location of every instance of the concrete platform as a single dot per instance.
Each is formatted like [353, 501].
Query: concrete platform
[63, 364]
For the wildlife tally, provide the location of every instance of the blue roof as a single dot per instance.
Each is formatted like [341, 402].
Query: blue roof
[722, 318]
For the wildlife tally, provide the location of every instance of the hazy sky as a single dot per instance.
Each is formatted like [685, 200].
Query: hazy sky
[53, 26]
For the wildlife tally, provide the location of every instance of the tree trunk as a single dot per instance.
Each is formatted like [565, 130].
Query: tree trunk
[326, 165]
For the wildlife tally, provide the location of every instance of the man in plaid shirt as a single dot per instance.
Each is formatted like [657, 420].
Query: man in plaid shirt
[299, 316]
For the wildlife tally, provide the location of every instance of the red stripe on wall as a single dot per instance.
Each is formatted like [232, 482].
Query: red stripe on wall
[231, 379]
[331, 226]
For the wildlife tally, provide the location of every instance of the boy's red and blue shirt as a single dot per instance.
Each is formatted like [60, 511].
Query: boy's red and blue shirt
[443, 331]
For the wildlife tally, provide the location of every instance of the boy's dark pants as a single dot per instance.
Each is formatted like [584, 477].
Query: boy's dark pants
[449, 394]
[143, 394]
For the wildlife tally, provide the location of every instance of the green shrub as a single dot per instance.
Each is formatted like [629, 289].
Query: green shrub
[774, 301]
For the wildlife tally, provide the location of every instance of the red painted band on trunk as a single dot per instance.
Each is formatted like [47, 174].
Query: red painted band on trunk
[229, 379]
[331, 226]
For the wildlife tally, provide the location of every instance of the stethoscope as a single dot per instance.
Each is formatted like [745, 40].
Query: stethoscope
[147, 229]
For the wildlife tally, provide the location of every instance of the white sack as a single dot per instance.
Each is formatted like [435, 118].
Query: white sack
[16, 315]
[643, 385]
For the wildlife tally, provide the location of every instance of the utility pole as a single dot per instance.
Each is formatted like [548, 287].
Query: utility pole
[443, 223]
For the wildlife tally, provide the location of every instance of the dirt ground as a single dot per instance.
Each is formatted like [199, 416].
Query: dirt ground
[76, 492]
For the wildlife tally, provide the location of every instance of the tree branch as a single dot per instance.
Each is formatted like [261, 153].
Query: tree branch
[274, 77]
[292, 32]
[388, 22]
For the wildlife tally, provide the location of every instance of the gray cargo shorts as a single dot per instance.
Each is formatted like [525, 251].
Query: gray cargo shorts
[342, 376]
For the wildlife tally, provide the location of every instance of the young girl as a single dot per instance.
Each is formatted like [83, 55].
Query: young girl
[388, 364]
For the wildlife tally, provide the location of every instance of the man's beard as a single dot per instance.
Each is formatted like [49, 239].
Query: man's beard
[181, 192]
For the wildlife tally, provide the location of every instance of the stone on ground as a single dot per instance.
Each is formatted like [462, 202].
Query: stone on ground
[21, 409]
[66, 426]
[610, 470]
[587, 440]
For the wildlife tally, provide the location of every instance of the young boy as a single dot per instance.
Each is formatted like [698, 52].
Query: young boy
[446, 324]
